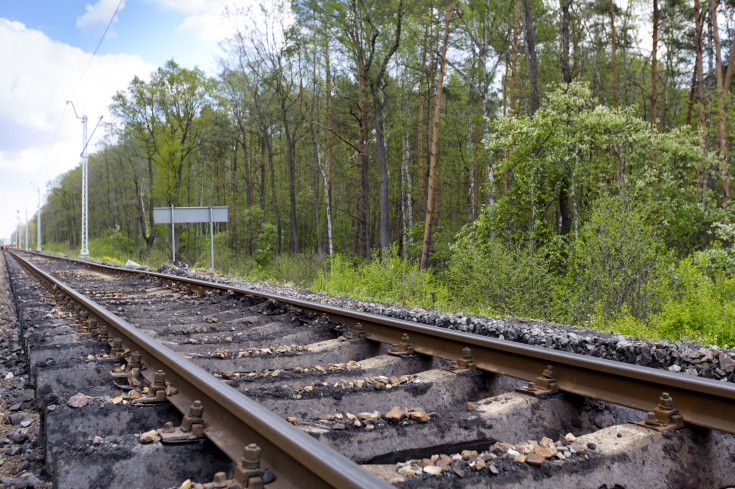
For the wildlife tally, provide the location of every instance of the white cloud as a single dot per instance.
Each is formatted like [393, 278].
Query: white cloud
[97, 16]
[207, 19]
[38, 76]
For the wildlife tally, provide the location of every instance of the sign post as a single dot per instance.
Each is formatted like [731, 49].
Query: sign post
[178, 215]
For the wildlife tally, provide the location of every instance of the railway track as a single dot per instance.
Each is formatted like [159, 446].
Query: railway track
[279, 392]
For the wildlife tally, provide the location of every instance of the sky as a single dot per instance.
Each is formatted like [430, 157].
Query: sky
[46, 55]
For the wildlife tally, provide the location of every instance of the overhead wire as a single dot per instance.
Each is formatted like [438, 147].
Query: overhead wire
[89, 63]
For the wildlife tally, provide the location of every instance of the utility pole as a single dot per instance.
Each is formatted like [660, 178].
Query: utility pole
[84, 251]
[20, 243]
[26, 229]
[38, 220]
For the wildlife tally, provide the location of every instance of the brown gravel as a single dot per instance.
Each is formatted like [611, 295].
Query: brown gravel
[21, 453]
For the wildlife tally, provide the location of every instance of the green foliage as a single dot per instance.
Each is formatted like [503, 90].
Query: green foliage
[114, 244]
[616, 262]
[389, 279]
[501, 277]
[694, 307]
[266, 243]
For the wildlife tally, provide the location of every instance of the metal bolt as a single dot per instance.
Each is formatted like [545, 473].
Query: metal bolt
[159, 379]
[251, 457]
[220, 480]
[196, 410]
[134, 361]
[168, 427]
[549, 372]
[666, 401]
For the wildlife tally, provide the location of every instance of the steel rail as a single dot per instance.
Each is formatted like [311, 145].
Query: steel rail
[700, 401]
[232, 419]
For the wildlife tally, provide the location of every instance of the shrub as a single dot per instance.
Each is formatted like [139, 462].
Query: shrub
[615, 262]
[388, 279]
[506, 279]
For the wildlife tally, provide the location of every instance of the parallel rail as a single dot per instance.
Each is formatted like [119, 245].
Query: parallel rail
[232, 419]
[702, 402]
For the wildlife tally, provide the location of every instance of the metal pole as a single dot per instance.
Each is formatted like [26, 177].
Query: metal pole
[211, 236]
[84, 252]
[26, 229]
[20, 229]
[38, 222]
[173, 244]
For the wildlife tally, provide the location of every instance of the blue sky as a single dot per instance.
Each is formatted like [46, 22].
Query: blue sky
[48, 44]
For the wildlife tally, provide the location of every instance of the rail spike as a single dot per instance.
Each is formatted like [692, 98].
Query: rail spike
[191, 429]
[665, 417]
[248, 474]
[543, 386]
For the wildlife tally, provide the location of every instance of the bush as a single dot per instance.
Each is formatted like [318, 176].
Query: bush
[615, 262]
[389, 279]
[505, 279]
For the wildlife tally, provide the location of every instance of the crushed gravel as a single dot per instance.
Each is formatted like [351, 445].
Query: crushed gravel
[684, 357]
[21, 451]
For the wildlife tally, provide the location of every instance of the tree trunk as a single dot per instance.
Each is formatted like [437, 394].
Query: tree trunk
[514, 58]
[430, 200]
[328, 176]
[613, 59]
[566, 72]
[531, 59]
[723, 89]
[654, 67]
[363, 243]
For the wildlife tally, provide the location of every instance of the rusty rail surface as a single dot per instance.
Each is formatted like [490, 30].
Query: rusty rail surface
[232, 420]
[699, 401]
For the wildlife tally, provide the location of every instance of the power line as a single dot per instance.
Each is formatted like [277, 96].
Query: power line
[89, 63]
[97, 48]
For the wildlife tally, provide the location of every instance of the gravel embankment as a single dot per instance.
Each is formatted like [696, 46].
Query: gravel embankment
[21, 452]
[685, 357]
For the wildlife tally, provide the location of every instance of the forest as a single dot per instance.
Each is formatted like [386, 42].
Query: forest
[565, 161]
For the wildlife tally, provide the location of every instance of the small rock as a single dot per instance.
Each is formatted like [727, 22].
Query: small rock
[545, 452]
[519, 458]
[570, 438]
[78, 400]
[370, 427]
[460, 473]
[97, 440]
[357, 423]
[17, 406]
[186, 484]
[480, 464]
[471, 406]
[19, 436]
[444, 461]
[433, 470]
[592, 446]
[26, 423]
[9, 376]
[545, 441]
[148, 436]
[396, 414]
[407, 471]
[378, 385]
[512, 453]
[338, 426]
[16, 418]
[493, 469]
[293, 421]
[535, 459]
[419, 416]
[133, 394]
[727, 364]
